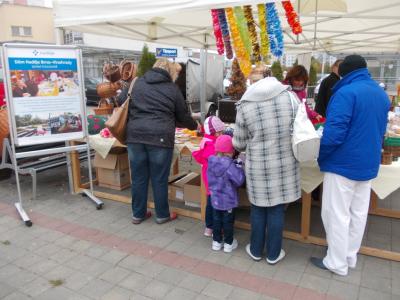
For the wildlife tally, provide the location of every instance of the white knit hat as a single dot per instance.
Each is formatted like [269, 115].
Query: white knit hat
[213, 125]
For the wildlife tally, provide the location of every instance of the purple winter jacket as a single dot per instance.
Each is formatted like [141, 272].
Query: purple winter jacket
[224, 178]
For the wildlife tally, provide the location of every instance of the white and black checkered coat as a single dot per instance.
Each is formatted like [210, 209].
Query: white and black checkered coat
[263, 130]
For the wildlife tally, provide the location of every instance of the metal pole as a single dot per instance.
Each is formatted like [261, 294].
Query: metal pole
[298, 13]
[315, 24]
[203, 79]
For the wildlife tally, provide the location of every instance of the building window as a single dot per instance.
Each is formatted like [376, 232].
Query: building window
[21, 31]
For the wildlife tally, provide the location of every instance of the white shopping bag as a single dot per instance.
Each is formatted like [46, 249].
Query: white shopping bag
[305, 139]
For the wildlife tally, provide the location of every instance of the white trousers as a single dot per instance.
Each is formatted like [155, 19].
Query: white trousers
[344, 213]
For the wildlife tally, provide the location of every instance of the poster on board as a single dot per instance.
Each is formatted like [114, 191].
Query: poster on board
[44, 93]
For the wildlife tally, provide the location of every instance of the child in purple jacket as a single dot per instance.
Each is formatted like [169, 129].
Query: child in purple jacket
[225, 175]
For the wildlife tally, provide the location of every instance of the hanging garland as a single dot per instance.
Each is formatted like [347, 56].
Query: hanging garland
[225, 33]
[248, 14]
[292, 17]
[242, 25]
[217, 32]
[263, 30]
[274, 30]
[240, 51]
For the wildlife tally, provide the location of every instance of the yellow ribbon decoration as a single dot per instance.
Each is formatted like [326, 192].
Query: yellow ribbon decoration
[263, 31]
[240, 51]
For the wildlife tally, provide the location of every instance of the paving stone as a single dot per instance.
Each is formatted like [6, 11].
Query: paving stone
[240, 263]
[35, 287]
[263, 269]
[315, 283]
[117, 293]
[150, 269]
[156, 289]
[113, 257]
[353, 277]
[378, 283]
[131, 262]
[368, 294]
[6, 290]
[239, 294]
[178, 246]
[139, 297]
[313, 270]
[60, 272]
[58, 293]
[379, 266]
[65, 241]
[115, 275]
[96, 288]
[80, 246]
[48, 250]
[43, 266]
[221, 258]
[16, 296]
[217, 290]
[396, 286]
[180, 294]
[343, 290]
[8, 271]
[135, 282]
[96, 251]
[194, 283]
[77, 280]
[288, 276]
[63, 255]
[171, 276]
[27, 260]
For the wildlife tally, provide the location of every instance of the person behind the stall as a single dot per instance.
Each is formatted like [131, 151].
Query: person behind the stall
[213, 128]
[225, 176]
[263, 130]
[155, 107]
[297, 78]
[350, 156]
[325, 89]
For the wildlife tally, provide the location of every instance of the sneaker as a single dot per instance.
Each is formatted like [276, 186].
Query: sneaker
[216, 246]
[280, 257]
[228, 248]
[137, 221]
[172, 216]
[208, 232]
[256, 258]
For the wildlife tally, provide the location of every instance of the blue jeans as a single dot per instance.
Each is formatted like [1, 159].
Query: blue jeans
[209, 213]
[223, 220]
[270, 219]
[149, 163]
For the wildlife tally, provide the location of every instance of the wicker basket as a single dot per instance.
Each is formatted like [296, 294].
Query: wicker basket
[111, 72]
[128, 70]
[104, 108]
[4, 128]
[106, 90]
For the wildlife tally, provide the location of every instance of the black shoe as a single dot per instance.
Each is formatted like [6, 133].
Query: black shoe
[318, 262]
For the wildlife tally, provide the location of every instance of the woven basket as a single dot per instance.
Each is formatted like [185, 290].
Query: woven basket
[104, 108]
[106, 90]
[4, 128]
[127, 70]
[111, 72]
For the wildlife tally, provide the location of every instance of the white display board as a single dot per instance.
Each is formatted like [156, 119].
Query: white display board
[45, 94]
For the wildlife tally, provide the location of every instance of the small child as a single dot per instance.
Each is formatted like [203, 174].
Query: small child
[213, 127]
[225, 175]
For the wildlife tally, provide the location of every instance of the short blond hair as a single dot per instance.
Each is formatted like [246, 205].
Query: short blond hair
[258, 73]
[172, 68]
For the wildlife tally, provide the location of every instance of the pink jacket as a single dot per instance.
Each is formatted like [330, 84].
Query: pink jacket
[207, 149]
[303, 95]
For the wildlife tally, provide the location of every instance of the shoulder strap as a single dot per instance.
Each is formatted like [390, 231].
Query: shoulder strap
[131, 87]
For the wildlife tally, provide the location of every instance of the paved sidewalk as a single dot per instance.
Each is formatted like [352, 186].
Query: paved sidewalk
[74, 251]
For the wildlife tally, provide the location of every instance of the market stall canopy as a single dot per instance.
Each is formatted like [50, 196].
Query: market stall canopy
[338, 26]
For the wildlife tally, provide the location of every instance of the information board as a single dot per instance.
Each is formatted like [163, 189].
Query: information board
[44, 93]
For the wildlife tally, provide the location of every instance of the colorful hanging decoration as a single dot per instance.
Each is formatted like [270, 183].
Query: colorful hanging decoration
[263, 30]
[217, 32]
[248, 14]
[240, 51]
[225, 33]
[292, 17]
[242, 25]
[274, 30]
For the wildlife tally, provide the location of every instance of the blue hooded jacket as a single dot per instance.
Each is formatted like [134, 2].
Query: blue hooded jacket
[356, 122]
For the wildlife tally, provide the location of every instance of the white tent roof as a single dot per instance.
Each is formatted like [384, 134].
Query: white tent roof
[341, 26]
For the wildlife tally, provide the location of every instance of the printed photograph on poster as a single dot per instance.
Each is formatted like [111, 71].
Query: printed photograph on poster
[45, 124]
[35, 83]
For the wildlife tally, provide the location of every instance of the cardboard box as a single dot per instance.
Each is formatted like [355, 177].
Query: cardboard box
[113, 171]
[192, 192]
[176, 188]
[243, 198]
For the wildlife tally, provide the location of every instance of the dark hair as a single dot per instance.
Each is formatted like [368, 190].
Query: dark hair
[297, 73]
[337, 63]
[181, 80]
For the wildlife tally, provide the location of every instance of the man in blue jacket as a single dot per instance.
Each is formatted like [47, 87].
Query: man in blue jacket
[350, 157]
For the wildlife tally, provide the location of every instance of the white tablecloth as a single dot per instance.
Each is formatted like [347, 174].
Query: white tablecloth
[387, 182]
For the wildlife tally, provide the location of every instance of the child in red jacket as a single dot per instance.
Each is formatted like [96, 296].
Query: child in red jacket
[213, 127]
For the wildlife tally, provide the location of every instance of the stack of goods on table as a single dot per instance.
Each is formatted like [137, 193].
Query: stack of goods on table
[183, 136]
[391, 146]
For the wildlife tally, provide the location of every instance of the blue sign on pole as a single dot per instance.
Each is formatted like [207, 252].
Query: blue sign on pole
[166, 52]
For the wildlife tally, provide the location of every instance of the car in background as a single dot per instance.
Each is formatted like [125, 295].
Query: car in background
[90, 91]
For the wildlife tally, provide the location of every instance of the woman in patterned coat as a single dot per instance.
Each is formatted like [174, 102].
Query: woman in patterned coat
[263, 129]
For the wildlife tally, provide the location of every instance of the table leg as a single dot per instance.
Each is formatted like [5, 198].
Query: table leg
[305, 215]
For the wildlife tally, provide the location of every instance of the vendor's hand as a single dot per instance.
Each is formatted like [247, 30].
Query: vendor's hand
[319, 118]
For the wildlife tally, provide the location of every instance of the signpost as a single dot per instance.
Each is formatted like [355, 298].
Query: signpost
[45, 99]
[167, 52]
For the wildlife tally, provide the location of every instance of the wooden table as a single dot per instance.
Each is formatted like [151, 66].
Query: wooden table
[303, 236]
